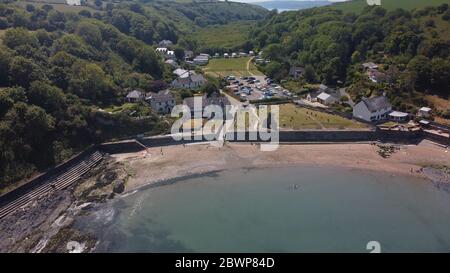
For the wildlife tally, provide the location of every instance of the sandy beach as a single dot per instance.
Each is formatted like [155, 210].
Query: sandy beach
[170, 162]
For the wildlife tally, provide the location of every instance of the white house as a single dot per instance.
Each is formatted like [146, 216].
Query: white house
[161, 102]
[373, 109]
[326, 99]
[189, 81]
[161, 50]
[424, 112]
[170, 54]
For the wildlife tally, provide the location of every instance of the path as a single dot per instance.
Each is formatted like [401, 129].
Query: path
[248, 67]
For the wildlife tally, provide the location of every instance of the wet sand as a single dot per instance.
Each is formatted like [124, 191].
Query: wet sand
[170, 162]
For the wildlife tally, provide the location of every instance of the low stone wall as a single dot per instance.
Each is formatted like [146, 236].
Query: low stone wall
[440, 139]
[285, 136]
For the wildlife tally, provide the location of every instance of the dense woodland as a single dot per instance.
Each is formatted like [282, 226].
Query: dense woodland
[412, 46]
[57, 69]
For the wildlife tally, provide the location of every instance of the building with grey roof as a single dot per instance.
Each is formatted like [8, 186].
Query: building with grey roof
[161, 102]
[372, 109]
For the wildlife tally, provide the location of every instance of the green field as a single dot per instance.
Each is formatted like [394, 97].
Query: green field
[358, 5]
[59, 5]
[235, 66]
[225, 36]
[297, 118]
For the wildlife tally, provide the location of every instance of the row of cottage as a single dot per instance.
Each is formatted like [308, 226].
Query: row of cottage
[163, 102]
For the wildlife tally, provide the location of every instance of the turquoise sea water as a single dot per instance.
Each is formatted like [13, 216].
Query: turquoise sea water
[280, 210]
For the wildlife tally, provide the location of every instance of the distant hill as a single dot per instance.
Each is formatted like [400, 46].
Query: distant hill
[359, 5]
[291, 5]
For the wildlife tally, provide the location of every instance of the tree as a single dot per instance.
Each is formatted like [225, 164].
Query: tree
[30, 8]
[210, 88]
[5, 59]
[146, 61]
[23, 71]
[440, 75]
[90, 33]
[3, 23]
[15, 37]
[57, 19]
[90, 81]
[85, 13]
[273, 70]
[48, 97]
[19, 19]
[310, 74]
[179, 53]
[273, 51]
[420, 66]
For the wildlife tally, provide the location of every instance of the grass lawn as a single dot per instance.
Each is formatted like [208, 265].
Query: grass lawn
[117, 109]
[358, 5]
[295, 86]
[226, 36]
[233, 66]
[297, 118]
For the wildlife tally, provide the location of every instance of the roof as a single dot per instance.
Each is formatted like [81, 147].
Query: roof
[165, 42]
[323, 87]
[323, 96]
[135, 94]
[171, 62]
[201, 57]
[425, 109]
[370, 65]
[376, 103]
[180, 71]
[213, 100]
[161, 96]
[398, 114]
[189, 77]
[197, 77]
